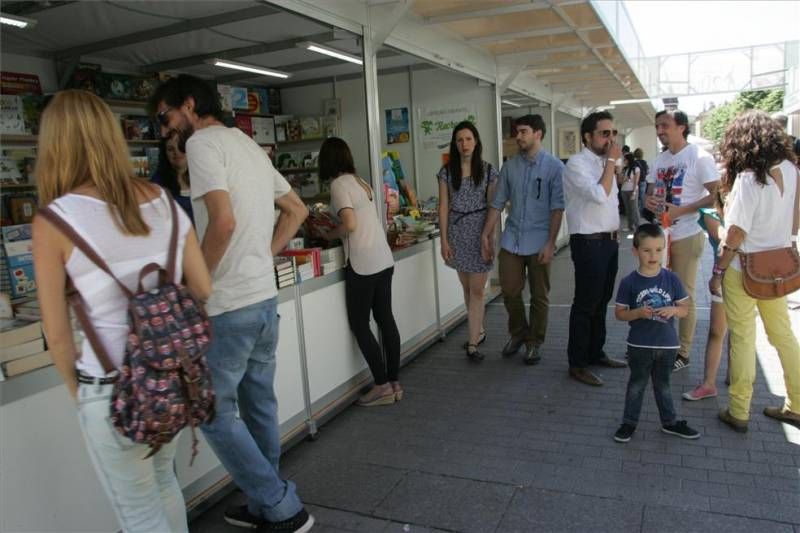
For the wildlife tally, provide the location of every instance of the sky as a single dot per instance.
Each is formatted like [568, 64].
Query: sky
[679, 26]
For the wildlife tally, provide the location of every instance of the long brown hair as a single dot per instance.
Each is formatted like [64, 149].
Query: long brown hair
[81, 143]
[454, 161]
[753, 141]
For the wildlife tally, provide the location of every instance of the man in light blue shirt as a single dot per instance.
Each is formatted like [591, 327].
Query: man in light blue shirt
[532, 182]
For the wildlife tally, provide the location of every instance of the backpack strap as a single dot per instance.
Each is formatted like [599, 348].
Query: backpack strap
[173, 240]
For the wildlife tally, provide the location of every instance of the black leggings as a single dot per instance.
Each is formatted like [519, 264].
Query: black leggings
[374, 292]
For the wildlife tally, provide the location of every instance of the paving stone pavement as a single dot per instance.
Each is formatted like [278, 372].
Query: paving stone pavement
[501, 447]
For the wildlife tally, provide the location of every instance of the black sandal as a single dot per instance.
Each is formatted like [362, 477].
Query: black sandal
[481, 340]
[473, 353]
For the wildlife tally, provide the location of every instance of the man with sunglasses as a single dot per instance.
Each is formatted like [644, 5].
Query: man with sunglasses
[590, 190]
[235, 191]
[690, 178]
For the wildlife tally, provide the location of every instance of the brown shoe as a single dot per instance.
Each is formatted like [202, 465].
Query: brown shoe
[738, 425]
[783, 414]
[584, 375]
[611, 363]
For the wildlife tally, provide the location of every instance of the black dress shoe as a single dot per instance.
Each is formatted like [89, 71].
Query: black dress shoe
[584, 375]
[481, 340]
[473, 354]
[532, 356]
[611, 363]
[512, 346]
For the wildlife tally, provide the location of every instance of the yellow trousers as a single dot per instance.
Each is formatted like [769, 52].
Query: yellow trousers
[740, 310]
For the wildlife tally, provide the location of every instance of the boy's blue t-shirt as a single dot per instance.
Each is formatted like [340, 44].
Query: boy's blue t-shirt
[662, 290]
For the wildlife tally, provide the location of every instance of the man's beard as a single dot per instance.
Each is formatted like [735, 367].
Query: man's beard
[183, 136]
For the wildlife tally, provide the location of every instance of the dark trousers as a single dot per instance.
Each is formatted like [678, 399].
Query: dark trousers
[647, 363]
[374, 293]
[595, 263]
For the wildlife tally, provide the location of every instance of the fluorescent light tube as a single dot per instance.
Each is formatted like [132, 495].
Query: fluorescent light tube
[224, 63]
[332, 52]
[634, 101]
[509, 102]
[18, 22]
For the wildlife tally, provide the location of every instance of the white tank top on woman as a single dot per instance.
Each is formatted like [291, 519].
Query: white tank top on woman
[106, 304]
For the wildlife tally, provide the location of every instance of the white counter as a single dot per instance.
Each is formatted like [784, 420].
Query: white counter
[46, 480]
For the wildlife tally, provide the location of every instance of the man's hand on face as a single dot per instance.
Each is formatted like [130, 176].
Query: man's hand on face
[613, 150]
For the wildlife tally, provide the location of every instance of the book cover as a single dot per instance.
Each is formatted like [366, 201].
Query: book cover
[32, 107]
[17, 351]
[294, 130]
[142, 88]
[263, 130]
[22, 208]
[244, 123]
[239, 98]
[12, 114]
[138, 128]
[27, 364]
[274, 101]
[15, 331]
[85, 77]
[19, 83]
[9, 171]
[310, 129]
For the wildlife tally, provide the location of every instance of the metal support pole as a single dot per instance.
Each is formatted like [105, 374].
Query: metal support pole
[311, 424]
[373, 119]
[442, 334]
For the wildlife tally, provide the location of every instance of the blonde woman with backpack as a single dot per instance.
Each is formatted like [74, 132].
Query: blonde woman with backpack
[84, 175]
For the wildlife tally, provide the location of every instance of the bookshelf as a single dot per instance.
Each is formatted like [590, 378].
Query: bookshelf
[17, 138]
[18, 186]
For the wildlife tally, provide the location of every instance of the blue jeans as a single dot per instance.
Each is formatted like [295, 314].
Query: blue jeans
[144, 493]
[244, 433]
[646, 363]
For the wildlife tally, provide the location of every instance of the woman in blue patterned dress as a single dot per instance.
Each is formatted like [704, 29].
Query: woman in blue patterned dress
[466, 183]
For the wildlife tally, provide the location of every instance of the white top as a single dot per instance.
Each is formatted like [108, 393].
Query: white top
[366, 248]
[106, 304]
[589, 209]
[761, 211]
[627, 185]
[225, 159]
[686, 173]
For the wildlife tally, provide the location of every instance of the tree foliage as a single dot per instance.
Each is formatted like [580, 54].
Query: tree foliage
[717, 119]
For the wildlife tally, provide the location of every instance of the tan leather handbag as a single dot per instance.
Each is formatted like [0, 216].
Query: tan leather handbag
[771, 273]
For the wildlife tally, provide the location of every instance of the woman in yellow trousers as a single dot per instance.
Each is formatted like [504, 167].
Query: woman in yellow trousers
[762, 213]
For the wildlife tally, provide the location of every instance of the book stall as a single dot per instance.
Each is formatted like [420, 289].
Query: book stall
[320, 369]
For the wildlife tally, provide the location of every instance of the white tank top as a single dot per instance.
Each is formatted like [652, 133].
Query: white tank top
[125, 255]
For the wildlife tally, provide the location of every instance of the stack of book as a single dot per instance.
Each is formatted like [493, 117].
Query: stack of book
[332, 260]
[22, 347]
[284, 272]
[308, 262]
[305, 272]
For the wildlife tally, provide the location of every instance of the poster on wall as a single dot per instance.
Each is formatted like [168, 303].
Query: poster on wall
[437, 122]
[397, 129]
[568, 142]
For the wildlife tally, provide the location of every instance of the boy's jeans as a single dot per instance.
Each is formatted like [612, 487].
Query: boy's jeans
[144, 493]
[644, 364]
[244, 433]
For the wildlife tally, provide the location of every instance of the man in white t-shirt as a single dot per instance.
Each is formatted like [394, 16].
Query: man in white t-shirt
[234, 190]
[689, 177]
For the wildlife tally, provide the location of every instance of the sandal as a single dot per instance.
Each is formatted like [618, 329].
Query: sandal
[481, 340]
[473, 353]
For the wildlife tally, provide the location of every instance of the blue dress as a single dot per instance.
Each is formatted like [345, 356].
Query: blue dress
[184, 201]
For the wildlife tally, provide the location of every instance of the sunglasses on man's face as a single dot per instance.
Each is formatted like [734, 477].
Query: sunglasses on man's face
[162, 117]
[607, 133]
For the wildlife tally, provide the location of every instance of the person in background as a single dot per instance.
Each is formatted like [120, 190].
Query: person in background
[630, 189]
[762, 212]
[84, 174]
[649, 298]
[689, 176]
[466, 184]
[783, 121]
[644, 169]
[173, 172]
[532, 182]
[369, 270]
[235, 190]
[711, 221]
[590, 189]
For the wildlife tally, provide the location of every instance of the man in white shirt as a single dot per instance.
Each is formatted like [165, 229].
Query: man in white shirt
[689, 176]
[234, 190]
[592, 208]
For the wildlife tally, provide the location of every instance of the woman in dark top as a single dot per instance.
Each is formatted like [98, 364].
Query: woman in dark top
[173, 173]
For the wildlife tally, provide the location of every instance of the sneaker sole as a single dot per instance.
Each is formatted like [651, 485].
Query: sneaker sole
[688, 396]
[681, 435]
[238, 523]
[383, 400]
[620, 439]
[305, 528]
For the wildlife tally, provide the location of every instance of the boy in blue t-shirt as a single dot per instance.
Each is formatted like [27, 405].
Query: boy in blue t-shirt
[649, 298]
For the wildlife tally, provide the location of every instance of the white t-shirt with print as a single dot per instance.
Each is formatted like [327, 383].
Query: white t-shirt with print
[366, 248]
[225, 159]
[761, 211]
[685, 175]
